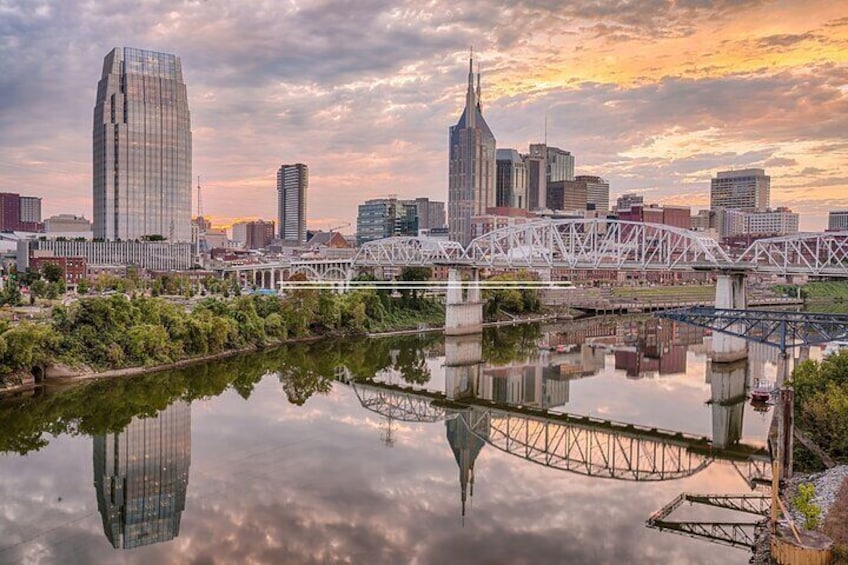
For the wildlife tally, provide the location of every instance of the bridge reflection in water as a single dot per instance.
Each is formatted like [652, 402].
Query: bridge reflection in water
[509, 409]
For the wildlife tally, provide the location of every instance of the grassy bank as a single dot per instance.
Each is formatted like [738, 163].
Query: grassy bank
[824, 291]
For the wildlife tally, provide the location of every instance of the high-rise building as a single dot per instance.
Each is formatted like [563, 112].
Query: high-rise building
[257, 234]
[781, 221]
[838, 220]
[142, 148]
[626, 201]
[511, 179]
[597, 192]
[292, 183]
[141, 477]
[386, 217]
[30, 210]
[582, 193]
[16, 213]
[546, 165]
[747, 189]
[559, 164]
[537, 187]
[472, 171]
[431, 214]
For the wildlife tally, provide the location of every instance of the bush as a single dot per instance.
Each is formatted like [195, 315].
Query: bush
[804, 504]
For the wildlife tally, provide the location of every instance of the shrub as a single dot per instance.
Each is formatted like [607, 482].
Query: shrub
[804, 504]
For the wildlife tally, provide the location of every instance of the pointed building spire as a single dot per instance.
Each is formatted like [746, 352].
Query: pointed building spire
[479, 98]
[470, 98]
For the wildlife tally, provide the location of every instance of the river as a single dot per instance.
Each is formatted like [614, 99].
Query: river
[325, 452]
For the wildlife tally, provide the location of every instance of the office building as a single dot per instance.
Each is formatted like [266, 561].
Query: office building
[67, 223]
[781, 221]
[626, 201]
[292, 184]
[141, 477]
[149, 255]
[497, 218]
[16, 213]
[537, 185]
[704, 220]
[597, 192]
[30, 210]
[838, 221]
[257, 234]
[142, 148]
[431, 214]
[748, 190]
[582, 193]
[676, 216]
[511, 179]
[386, 217]
[472, 170]
[546, 165]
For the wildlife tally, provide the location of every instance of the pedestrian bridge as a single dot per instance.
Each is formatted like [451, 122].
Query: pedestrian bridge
[601, 244]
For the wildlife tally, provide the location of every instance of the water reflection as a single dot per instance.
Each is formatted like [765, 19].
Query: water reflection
[141, 477]
[589, 398]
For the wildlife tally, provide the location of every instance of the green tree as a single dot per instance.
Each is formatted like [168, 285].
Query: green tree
[53, 272]
[83, 286]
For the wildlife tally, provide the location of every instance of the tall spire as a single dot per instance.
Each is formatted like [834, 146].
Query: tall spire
[479, 98]
[470, 98]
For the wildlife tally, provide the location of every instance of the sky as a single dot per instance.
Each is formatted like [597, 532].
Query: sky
[656, 96]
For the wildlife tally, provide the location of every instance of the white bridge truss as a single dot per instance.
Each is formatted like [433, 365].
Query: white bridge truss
[601, 244]
[824, 254]
[407, 252]
[595, 244]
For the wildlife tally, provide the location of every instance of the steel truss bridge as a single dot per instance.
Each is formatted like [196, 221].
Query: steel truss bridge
[779, 329]
[578, 444]
[601, 244]
[733, 533]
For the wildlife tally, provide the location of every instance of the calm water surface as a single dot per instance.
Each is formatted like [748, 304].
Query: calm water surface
[284, 456]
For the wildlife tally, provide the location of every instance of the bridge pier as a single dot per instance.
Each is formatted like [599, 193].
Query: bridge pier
[728, 388]
[463, 365]
[731, 290]
[463, 314]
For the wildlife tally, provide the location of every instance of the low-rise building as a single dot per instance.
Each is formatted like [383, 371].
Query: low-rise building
[148, 255]
[74, 268]
[499, 217]
[837, 220]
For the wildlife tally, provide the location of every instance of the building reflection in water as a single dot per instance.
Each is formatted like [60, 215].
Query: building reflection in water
[141, 477]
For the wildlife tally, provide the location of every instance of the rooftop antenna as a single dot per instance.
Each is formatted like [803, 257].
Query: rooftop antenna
[199, 199]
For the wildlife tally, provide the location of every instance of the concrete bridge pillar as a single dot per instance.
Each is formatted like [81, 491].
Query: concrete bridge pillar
[463, 365]
[730, 294]
[727, 399]
[463, 314]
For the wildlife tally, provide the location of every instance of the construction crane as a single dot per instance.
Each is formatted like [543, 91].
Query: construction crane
[336, 228]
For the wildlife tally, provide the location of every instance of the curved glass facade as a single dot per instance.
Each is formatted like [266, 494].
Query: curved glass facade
[142, 148]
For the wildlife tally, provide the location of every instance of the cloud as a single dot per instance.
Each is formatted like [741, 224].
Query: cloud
[365, 95]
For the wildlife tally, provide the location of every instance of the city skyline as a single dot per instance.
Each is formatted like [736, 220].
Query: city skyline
[656, 102]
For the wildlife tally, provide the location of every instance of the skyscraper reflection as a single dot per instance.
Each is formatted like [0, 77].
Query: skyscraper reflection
[141, 477]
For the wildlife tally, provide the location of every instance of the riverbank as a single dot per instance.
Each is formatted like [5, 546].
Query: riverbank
[122, 336]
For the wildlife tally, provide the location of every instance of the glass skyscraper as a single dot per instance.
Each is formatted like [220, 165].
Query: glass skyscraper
[472, 169]
[142, 148]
